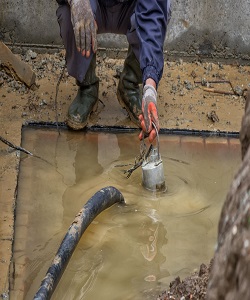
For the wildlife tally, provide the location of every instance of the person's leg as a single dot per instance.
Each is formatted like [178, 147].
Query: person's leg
[86, 99]
[109, 19]
[77, 65]
[128, 93]
[115, 19]
[82, 69]
[114, 16]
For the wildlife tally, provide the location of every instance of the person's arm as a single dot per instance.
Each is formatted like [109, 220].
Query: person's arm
[151, 18]
[84, 25]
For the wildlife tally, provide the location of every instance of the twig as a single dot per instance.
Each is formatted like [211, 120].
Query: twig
[123, 165]
[14, 146]
[57, 88]
[212, 90]
[26, 151]
[214, 81]
[139, 162]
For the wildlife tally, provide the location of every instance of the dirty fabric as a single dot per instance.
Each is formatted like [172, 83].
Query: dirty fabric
[144, 22]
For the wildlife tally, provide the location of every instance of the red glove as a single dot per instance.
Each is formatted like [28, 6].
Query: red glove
[84, 25]
[149, 113]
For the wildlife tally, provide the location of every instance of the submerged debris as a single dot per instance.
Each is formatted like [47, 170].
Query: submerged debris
[139, 159]
[193, 287]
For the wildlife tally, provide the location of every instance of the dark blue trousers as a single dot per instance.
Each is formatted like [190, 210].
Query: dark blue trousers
[109, 19]
[142, 21]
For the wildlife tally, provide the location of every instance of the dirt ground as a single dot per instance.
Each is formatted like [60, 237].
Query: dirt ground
[183, 103]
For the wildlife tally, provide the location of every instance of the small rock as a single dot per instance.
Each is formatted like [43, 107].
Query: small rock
[203, 270]
[204, 82]
[118, 71]
[188, 85]
[193, 74]
[238, 90]
[4, 296]
[30, 55]
[43, 102]
[213, 116]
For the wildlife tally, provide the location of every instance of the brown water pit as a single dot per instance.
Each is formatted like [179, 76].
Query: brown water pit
[128, 252]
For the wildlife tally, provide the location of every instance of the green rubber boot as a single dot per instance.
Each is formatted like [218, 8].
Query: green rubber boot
[129, 93]
[86, 99]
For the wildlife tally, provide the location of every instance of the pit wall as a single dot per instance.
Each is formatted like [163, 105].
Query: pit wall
[216, 28]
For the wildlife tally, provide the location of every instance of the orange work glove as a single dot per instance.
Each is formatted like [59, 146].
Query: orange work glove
[149, 113]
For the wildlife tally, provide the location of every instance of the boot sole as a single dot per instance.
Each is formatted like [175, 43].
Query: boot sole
[77, 125]
[123, 105]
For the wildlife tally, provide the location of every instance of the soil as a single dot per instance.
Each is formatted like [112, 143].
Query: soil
[183, 103]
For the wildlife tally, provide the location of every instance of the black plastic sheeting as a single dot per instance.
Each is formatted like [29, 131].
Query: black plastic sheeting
[124, 129]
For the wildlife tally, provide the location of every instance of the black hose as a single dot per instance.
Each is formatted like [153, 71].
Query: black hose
[101, 200]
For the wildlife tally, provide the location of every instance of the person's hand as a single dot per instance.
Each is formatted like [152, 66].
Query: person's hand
[149, 113]
[84, 26]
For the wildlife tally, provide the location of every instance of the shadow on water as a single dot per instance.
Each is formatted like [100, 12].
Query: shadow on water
[130, 252]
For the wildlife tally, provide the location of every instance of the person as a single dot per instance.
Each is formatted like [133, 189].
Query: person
[144, 22]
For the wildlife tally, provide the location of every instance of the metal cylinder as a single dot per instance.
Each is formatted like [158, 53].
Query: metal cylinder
[152, 172]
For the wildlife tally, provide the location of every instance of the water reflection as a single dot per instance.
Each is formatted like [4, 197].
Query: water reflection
[128, 252]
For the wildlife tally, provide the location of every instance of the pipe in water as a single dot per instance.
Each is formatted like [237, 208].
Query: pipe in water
[100, 201]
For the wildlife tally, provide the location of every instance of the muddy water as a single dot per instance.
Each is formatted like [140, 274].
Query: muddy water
[128, 252]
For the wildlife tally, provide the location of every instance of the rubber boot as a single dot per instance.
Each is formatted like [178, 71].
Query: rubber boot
[86, 99]
[129, 93]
